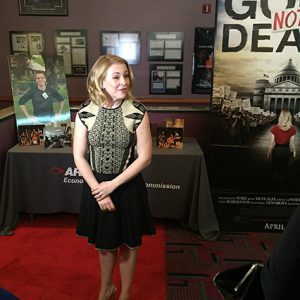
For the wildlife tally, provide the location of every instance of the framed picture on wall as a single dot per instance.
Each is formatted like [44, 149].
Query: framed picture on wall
[72, 45]
[165, 46]
[25, 42]
[43, 7]
[165, 79]
[123, 44]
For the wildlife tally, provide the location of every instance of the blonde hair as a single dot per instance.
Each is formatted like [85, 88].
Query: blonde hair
[285, 119]
[98, 73]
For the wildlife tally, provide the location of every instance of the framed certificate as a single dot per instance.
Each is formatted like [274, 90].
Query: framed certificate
[25, 42]
[72, 45]
[165, 79]
[165, 46]
[123, 44]
[43, 7]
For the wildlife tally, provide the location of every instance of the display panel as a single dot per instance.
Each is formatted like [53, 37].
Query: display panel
[39, 89]
[45, 7]
[27, 42]
[124, 44]
[165, 46]
[72, 45]
[165, 79]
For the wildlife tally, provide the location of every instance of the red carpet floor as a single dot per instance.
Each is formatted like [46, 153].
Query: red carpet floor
[44, 259]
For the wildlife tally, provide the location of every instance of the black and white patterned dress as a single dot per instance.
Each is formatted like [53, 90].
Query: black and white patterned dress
[112, 138]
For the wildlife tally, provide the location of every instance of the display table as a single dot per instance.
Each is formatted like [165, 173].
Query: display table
[38, 180]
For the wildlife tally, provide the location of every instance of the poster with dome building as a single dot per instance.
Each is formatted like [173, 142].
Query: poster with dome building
[254, 155]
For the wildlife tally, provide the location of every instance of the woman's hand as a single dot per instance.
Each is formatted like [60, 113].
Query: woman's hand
[104, 189]
[106, 204]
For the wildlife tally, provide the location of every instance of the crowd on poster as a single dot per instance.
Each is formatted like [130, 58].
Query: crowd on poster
[238, 117]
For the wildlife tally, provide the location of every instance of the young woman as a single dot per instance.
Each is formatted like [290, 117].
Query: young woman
[282, 144]
[114, 212]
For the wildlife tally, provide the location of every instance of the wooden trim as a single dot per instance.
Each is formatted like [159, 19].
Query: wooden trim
[80, 99]
[5, 98]
[179, 101]
[6, 112]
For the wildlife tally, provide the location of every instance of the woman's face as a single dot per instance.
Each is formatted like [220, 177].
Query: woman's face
[40, 79]
[117, 82]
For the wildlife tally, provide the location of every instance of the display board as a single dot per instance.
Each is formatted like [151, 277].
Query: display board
[124, 44]
[39, 90]
[165, 46]
[72, 46]
[27, 42]
[165, 79]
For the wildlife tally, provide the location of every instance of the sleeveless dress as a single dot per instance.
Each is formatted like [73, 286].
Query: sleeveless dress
[281, 152]
[112, 138]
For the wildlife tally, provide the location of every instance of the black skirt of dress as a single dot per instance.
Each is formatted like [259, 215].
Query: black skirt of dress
[126, 225]
[281, 155]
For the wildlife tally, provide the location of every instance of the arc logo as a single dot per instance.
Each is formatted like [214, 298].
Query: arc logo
[69, 172]
[71, 175]
[56, 171]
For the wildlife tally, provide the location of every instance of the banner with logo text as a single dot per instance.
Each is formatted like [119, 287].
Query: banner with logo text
[254, 157]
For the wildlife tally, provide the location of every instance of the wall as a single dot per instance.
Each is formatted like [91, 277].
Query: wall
[120, 15]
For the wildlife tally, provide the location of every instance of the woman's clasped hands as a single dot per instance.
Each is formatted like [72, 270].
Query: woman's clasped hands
[102, 195]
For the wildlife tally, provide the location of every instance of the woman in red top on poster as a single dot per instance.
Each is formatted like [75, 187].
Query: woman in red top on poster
[282, 143]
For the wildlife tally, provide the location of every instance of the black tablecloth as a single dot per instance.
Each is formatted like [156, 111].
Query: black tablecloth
[38, 180]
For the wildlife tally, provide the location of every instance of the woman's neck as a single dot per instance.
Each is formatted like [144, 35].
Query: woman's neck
[284, 127]
[109, 103]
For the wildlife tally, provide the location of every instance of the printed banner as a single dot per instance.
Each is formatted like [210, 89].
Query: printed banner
[254, 158]
[203, 60]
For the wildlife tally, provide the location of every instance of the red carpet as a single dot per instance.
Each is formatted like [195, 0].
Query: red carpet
[44, 259]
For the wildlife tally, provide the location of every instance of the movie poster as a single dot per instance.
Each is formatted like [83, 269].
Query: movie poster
[203, 60]
[254, 157]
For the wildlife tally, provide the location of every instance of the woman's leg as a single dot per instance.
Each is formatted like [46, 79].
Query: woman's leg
[107, 264]
[128, 258]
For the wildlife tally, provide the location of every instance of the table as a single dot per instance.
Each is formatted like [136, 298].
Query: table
[38, 180]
